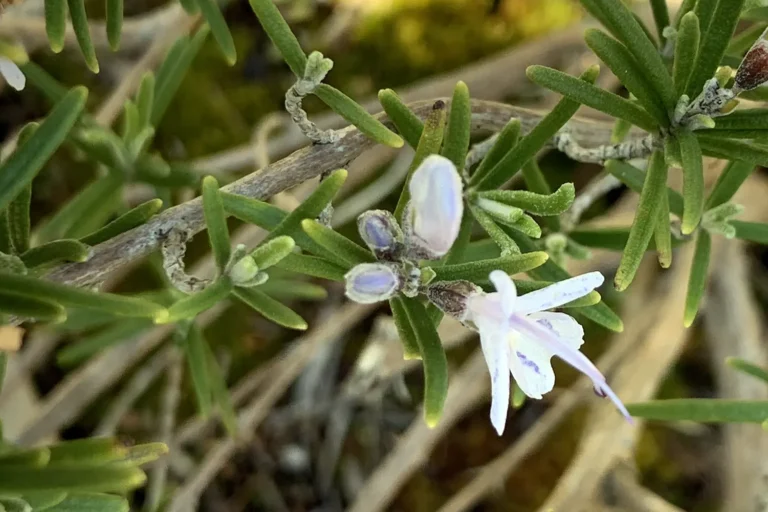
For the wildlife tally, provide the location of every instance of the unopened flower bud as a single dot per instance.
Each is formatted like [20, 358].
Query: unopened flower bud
[244, 270]
[381, 233]
[753, 70]
[451, 297]
[368, 283]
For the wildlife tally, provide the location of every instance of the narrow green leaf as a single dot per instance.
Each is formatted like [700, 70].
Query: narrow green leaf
[190, 7]
[752, 231]
[113, 13]
[634, 178]
[662, 233]
[729, 149]
[253, 211]
[103, 478]
[715, 39]
[748, 368]
[6, 239]
[37, 308]
[686, 50]
[697, 281]
[429, 144]
[91, 502]
[141, 454]
[43, 500]
[457, 132]
[411, 348]
[273, 251]
[145, 97]
[661, 17]
[18, 219]
[702, 410]
[592, 96]
[51, 88]
[22, 166]
[645, 220]
[748, 119]
[526, 225]
[3, 368]
[280, 33]
[69, 296]
[617, 17]
[537, 204]
[196, 303]
[56, 23]
[744, 40]
[693, 181]
[344, 248]
[433, 359]
[406, 122]
[286, 290]
[56, 252]
[197, 359]
[216, 222]
[355, 114]
[87, 451]
[221, 395]
[31, 457]
[533, 142]
[270, 308]
[311, 266]
[478, 271]
[685, 7]
[171, 72]
[505, 141]
[129, 220]
[83, 33]
[75, 353]
[218, 25]
[499, 237]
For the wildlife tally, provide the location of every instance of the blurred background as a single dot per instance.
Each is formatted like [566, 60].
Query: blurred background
[332, 417]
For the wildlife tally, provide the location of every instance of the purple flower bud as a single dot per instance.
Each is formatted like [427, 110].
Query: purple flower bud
[753, 70]
[436, 207]
[451, 297]
[367, 283]
[381, 233]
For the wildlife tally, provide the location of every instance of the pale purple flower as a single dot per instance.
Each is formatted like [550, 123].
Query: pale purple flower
[434, 214]
[12, 73]
[518, 337]
[367, 283]
[381, 233]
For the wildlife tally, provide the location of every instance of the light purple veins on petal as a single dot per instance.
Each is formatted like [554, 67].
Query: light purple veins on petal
[371, 282]
[436, 204]
[557, 294]
[379, 230]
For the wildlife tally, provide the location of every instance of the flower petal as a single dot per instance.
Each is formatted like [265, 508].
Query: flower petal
[564, 326]
[367, 283]
[506, 288]
[12, 73]
[436, 205]
[493, 340]
[558, 294]
[531, 366]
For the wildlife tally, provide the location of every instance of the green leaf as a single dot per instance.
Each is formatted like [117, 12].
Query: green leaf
[69, 296]
[270, 308]
[171, 72]
[406, 122]
[408, 339]
[22, 166]
[345, 249]
[52, 89]
[433, 359]
[661, 17]
[729, 149]
[592, 96]
[197, 359]
[56, 23]
[752, 120]
[18, 219]
[86, 347]
[273, 251]
[43, 500]
[254, 211]
[662, 233]
[82, 33]
[218, 25]
[714, 42]
[216, 222]
[56, 252]
[685, 7]
[533, 142]
[499, 237]
[612, 239]
[525, 286]
[129, 220]
[645, 220]
[429, 144]
[355, 114]
[537, 204]
[30, 457]
[145, 97]
[196, 303]
[634, 178]
[311, 266]
[6, 239]
[142, 454]
[693, 181]
[91, 502]
[526, 225]
[3, 368]
[728, 183]
[221, 395]
[752, 231]
[113, 13]
[478, 271]
[88, 451]
[619, 20]
[744, 40]
[103, 478]
[505, 141]
[280, 33]
[686, 49]
[702, 410]
[190, 7]
[748, 368]
[697, 282]
[457, 132]
[285, 290]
